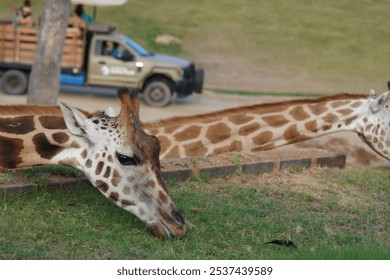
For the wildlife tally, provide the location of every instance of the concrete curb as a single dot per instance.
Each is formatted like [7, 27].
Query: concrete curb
[257, 167]
[184, 172]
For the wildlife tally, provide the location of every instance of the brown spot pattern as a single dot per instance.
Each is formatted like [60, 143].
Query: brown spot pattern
[326, 127]
[275, 120]
[299, 114]
[170, 129]
[162, 197]
[17, 125]
[126, 202]
[262, 138]
[311, 126]
[44, 148]
[188, 133]
[350, 120]
[75, 145]
[317, 109]
[153, 131]
[101, 186]
[356, 104]
[345, 112]
[114, 196]
[52, 122]
[145, 198]
[115, 178]
[218, 132]
[126, 190]
[235, 146]
[164, 143]
[292, 135]
[10, 150]
[337, 104]
[240, 119]
[99, 167]
[194, 149]
[173, 153]
[60, 137]
[107, 172]
[84, 153]
[330, 118]
[248, 129]
[151, 184]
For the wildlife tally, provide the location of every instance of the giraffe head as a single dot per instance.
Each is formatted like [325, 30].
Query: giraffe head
[122, 161]
[375, 126]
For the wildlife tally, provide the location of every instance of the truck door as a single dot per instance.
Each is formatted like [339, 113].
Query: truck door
[107, 66]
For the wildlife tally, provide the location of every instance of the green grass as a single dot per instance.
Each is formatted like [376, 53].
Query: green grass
[328, 214]
[39, 171]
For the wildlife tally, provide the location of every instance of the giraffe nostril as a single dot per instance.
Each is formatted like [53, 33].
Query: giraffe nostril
[179, 217]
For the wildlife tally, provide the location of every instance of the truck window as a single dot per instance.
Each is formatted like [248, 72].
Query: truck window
[137, 48]
[108, 48]
[99, 47]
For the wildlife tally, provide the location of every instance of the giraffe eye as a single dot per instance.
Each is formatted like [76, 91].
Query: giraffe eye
[126, 160]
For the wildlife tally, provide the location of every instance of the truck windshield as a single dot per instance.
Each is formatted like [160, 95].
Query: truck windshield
[137, 48]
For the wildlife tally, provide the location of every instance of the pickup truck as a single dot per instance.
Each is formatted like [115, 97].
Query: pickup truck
[97, 62]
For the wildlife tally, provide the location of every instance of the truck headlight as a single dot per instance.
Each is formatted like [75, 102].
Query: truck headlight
[179, 72]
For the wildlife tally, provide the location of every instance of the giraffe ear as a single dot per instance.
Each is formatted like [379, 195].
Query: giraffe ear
[74, 119]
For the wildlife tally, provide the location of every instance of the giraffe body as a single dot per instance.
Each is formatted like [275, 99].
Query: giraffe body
[267, 126]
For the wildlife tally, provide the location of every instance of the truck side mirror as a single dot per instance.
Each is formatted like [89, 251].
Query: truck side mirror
[127, 56]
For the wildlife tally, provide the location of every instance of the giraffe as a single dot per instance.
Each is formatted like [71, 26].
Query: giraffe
[267, 126]
[114, 153]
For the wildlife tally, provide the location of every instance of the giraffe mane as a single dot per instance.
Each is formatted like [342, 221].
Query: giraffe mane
[250, 108]
[17, 110]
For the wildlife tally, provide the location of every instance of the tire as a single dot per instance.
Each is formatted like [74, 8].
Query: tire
[14, 82]
[199, 80]
[157, 93]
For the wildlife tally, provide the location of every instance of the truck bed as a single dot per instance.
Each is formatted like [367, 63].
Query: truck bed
[18, 45]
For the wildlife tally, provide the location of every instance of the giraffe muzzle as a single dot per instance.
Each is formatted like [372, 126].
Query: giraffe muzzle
[170, 227]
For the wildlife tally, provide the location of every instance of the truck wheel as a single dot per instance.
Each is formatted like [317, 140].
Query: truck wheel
[157, 93]
[199, 80]
[14, 82]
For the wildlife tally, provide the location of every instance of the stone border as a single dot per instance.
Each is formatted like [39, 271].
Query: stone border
[257, 167]
[181, 173]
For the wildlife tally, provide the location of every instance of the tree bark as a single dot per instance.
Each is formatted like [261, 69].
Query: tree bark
[44, 83]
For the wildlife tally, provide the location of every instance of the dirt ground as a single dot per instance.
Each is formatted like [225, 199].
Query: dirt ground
[358, 153]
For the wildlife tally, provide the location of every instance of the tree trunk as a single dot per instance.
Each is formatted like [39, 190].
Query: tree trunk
[44, 82]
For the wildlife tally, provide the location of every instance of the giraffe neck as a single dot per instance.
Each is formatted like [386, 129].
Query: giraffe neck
[114, 153]
[259, 127]
[36, 135]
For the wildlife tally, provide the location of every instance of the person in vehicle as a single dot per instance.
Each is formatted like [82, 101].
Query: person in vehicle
[115, 51]
[24, 15]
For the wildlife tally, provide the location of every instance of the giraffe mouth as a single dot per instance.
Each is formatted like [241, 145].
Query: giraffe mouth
[161, 230]
[168, 233]
[164, 231]
[169, 226]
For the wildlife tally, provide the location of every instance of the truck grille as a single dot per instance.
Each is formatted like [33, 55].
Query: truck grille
[189, 72]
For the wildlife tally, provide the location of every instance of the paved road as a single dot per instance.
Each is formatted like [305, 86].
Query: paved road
[194, 104]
